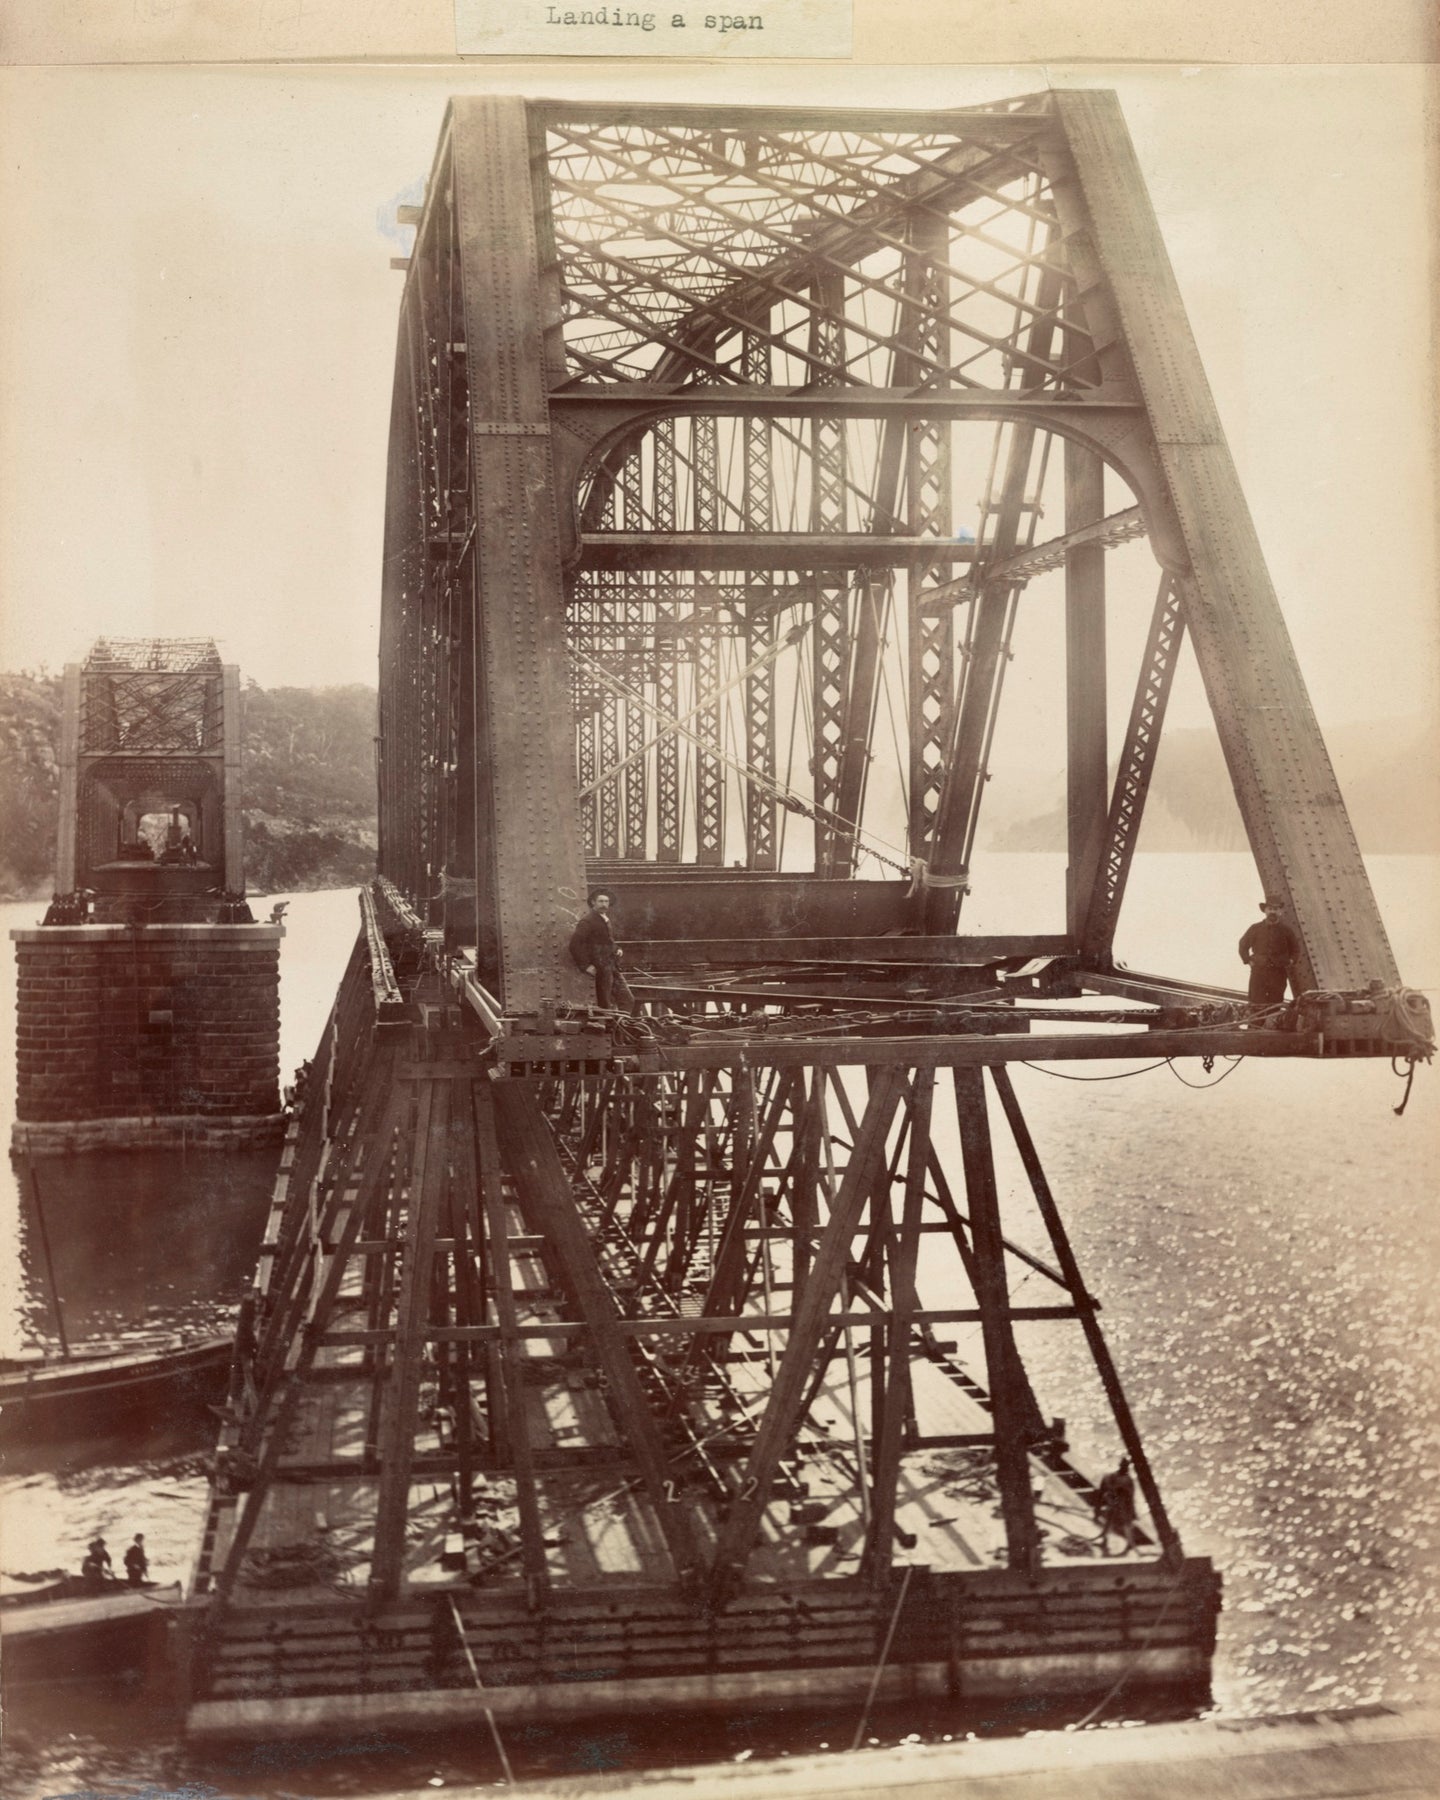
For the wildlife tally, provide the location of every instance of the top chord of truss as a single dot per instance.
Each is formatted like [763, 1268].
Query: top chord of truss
[153, 655]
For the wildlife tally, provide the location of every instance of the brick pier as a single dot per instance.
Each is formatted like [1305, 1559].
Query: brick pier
[147, 1034]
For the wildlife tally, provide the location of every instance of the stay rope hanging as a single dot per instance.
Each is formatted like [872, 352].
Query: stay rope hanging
[777, 790]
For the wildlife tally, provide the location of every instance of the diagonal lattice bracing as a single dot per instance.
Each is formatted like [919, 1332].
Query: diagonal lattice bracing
[634, 1355]
[791, 368]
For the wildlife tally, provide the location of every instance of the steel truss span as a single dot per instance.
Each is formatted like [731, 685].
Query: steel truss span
[699, 1354]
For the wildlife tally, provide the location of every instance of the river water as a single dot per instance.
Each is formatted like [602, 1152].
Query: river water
[1265, 1246]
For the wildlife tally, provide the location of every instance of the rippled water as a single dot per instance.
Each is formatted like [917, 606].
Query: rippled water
[1265, 1249]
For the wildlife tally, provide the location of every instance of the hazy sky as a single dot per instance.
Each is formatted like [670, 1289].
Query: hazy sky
[197, 324]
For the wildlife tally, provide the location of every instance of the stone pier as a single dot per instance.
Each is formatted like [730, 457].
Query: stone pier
[142, 1035]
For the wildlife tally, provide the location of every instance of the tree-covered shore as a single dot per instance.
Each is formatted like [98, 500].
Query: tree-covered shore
[309, 785]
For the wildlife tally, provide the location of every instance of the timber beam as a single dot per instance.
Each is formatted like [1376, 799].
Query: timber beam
[777, 1052]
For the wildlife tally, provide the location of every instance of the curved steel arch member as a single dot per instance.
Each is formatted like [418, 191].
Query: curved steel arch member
[814, 304]
[638, 1354]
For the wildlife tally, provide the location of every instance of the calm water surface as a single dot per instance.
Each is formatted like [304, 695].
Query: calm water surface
[1265, 1250]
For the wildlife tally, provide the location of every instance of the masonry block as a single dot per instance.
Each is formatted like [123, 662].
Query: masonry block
[158, 1022]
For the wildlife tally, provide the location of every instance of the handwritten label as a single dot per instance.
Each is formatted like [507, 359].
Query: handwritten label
[804, 28]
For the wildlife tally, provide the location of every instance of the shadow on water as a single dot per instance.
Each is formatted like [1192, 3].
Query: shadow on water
[127, 1737]
[144, 1244]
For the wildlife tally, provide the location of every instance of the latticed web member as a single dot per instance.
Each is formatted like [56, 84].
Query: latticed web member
[593, 949]
[1270, 949]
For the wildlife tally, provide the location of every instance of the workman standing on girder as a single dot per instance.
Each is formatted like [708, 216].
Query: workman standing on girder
[1115, 1508]
[593, 948]
[1271, 950]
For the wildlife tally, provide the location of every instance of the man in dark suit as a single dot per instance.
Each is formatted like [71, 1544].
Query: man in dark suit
[593, 948]
[1270, 949]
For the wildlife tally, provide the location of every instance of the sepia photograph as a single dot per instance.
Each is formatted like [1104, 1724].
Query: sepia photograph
[720, 842]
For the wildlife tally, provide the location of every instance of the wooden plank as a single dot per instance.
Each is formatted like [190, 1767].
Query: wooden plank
[428, 1176]
[773, 1689]
[540, 1178]
[517, 1436]
[280, 1411]
[898, 1403]
[962, 1052]
[781, 1416]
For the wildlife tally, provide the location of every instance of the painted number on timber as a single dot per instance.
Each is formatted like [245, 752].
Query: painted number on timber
[557, 28]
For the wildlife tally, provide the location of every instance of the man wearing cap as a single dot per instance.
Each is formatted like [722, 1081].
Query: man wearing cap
[1270, 949]
[593, 948]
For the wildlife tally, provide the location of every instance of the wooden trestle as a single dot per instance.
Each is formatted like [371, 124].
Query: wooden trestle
[604, 1386]
[607, 1362]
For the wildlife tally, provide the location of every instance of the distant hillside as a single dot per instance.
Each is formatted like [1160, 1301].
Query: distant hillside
[309, 779]
[308, 787]
[29, 777]
[1386, 769]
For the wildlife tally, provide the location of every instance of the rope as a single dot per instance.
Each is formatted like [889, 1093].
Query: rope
[1399, 1111]
[884, 1653]
[1124, 1074]
[756, 777]
[1209, 1063]
[1132, 1665]
[480, 1685]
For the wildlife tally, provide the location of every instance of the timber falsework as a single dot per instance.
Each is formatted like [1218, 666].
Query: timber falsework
[695, 1355]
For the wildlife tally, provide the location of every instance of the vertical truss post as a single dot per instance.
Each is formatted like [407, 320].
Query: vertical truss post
[1087, 770]
[1011, 1404]
[633, 669]
[234, 795]
[930, 638]
[988, 642]
[459, 851]
[65, 860]
[522, 679]
[830, 640]
[709, 721]
[1132, 776]
[758, 508]
[859, 719]
[426, 354]
[587, 762]
[666, 653]
[608, 794]
[635, 782]
[455, 850]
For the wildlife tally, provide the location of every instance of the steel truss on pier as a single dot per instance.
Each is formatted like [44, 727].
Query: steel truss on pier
[697, 1356]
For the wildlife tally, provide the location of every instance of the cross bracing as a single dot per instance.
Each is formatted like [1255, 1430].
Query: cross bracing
[740, 459]
[748, 372]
